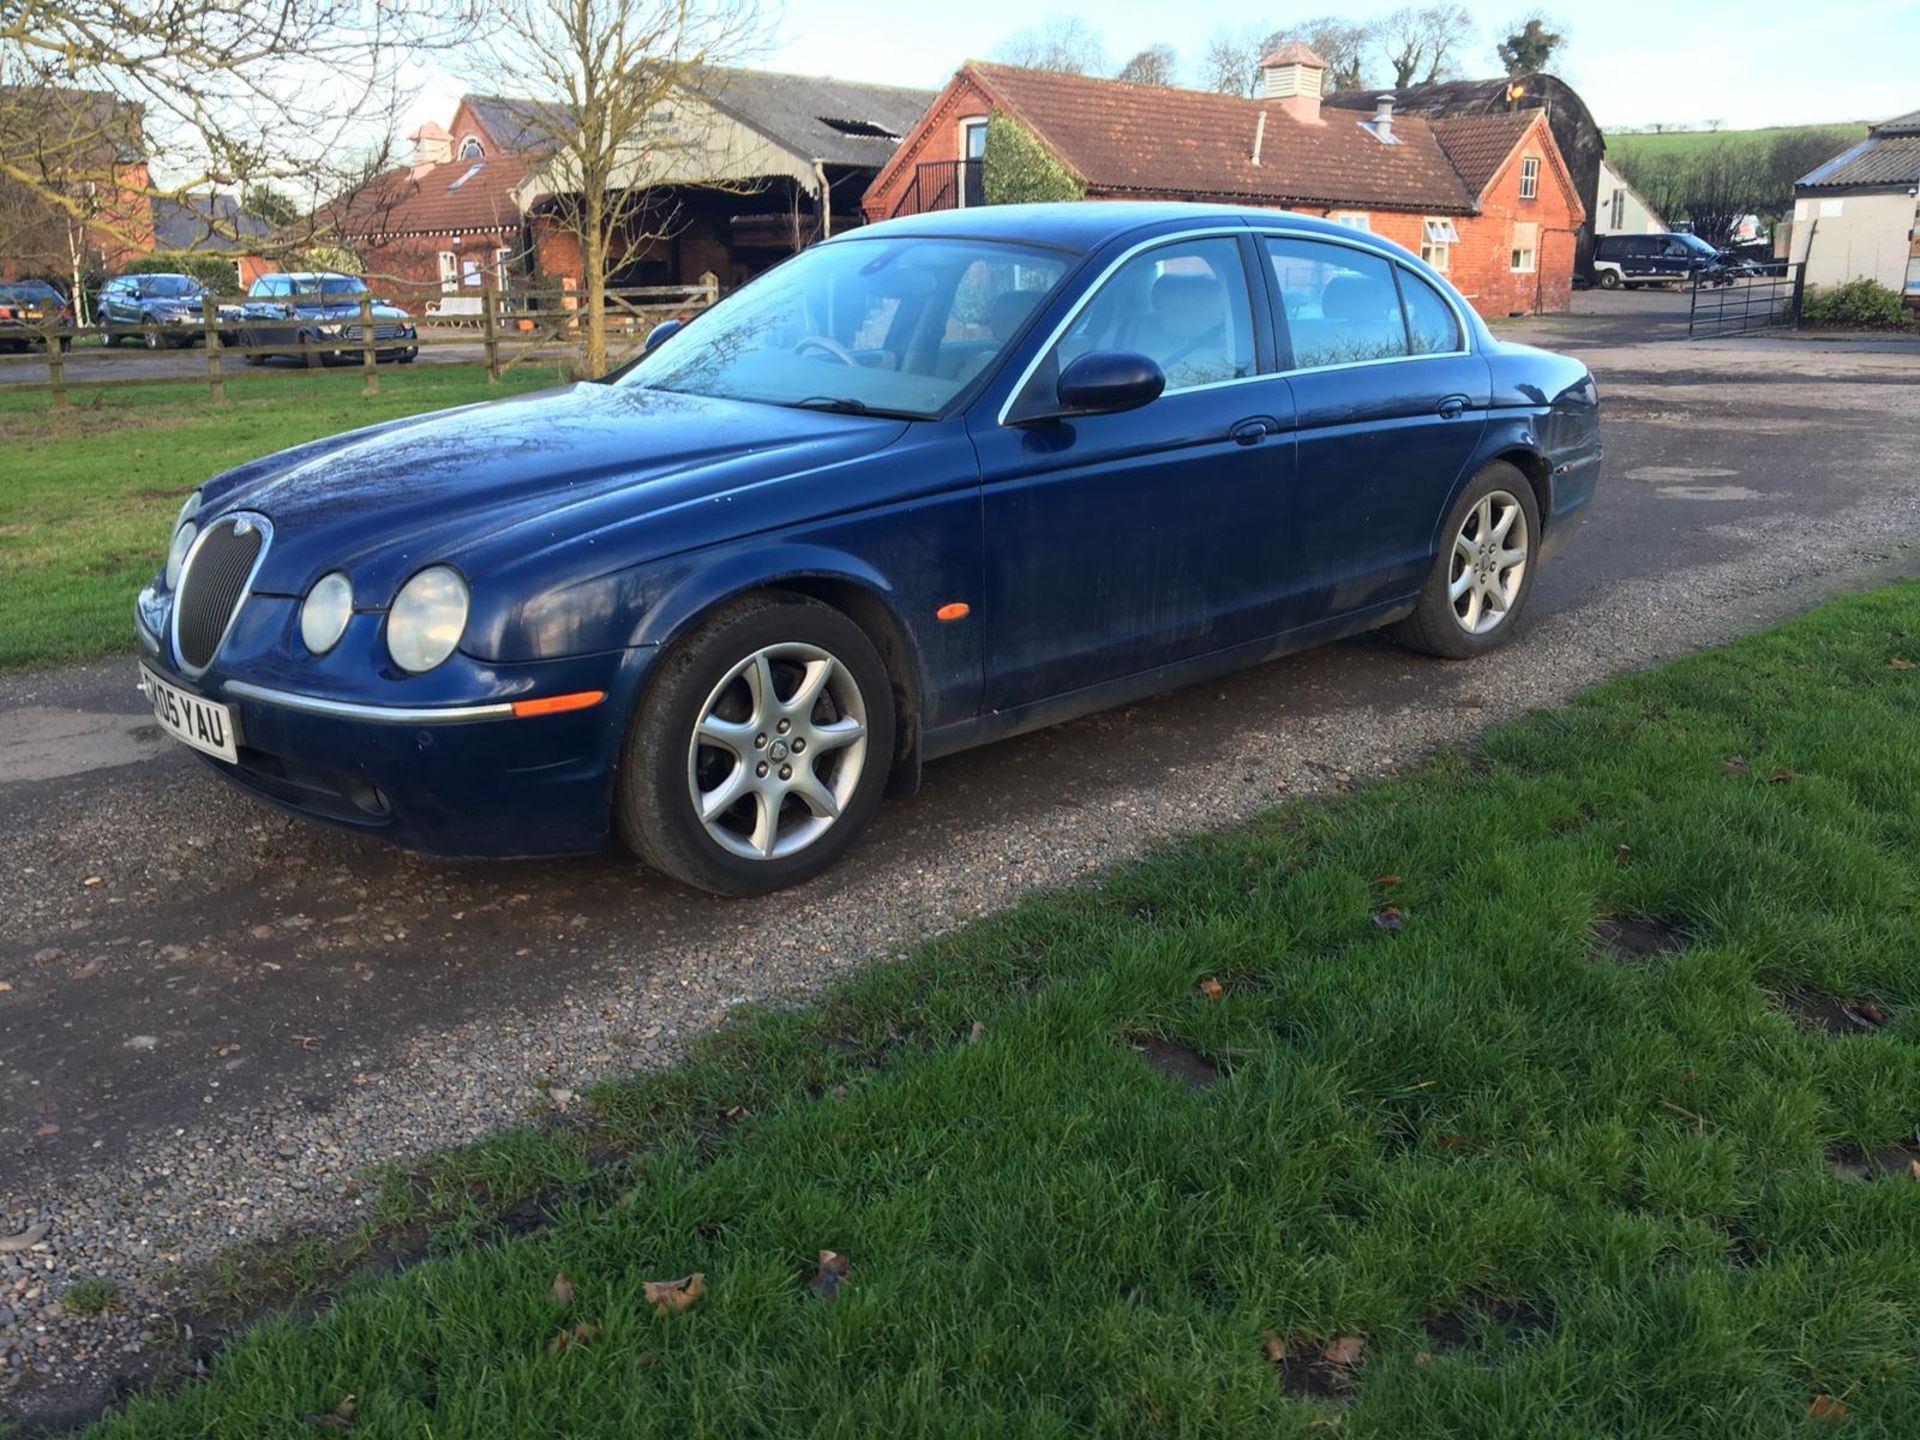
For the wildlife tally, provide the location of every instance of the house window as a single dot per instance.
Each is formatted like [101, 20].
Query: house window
[470, 271]
[1529, 177]
[472, 149]
[1352, 219]
[500, 257]
[973, 149]
[1617, 214]
[449, 272]
[1526, 244]
[1437, 239]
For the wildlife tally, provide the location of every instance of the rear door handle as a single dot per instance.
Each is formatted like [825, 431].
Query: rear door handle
[1254, 429]
[1451, 407]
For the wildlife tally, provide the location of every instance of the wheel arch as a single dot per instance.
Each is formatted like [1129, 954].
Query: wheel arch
[832, 578]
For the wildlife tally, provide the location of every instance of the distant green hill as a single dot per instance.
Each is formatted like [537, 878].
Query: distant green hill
[1677, 142]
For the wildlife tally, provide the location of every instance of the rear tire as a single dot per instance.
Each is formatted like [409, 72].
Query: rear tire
[727, 715]
[1477, 591]
[1608, 279]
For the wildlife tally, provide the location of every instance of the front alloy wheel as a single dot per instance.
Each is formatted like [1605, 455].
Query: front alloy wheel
[778, 751]
[760, 748]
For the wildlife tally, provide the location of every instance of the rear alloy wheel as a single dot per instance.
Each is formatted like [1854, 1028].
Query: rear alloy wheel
[1484, 573]
[1609, 279]
[153, 338]
[761, 750]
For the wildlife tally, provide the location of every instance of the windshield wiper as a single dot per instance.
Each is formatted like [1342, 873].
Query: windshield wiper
[847, 405]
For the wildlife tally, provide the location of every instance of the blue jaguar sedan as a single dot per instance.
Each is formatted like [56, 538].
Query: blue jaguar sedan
[926, 484]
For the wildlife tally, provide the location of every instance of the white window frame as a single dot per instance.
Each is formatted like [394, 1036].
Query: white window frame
[471, 149]
[965, 127]
[501, 255]
[1529, 177]
[1524, 248]
[1353, 219]
[449, 273]
[1438, 236]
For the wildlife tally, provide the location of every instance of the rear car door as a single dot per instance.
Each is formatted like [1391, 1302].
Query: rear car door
[1389, 403]
[1120, 543]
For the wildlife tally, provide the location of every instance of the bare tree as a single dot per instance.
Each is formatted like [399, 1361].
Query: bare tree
[1342, 43]
[615, 104]
[108, 108]
[1420, 42]
[1065, 43]
[1155, 65]
[1231, 61]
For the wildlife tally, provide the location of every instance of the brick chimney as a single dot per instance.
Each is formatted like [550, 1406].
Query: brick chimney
[432, 146]
[1294, 76]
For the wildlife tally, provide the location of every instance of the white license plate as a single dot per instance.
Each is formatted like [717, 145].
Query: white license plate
[200, 723]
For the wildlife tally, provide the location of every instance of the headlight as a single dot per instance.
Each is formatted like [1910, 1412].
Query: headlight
[424, 625]
[184, 531]
[324, 616]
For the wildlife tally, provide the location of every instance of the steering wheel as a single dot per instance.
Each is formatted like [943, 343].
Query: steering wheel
[827, 343]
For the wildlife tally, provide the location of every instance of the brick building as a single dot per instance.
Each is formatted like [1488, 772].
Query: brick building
[1484, 198]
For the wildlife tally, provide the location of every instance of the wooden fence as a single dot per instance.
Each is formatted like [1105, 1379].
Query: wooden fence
[511, 326]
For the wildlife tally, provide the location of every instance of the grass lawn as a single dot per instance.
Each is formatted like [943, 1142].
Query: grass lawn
[1515, 1097]
[1678, 142]
[90, 492]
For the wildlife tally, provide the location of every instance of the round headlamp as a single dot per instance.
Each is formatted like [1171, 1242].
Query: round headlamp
[427, 618]
[184, 532]
[324, 616]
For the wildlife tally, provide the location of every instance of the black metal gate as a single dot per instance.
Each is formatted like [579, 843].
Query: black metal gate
[1744, 304]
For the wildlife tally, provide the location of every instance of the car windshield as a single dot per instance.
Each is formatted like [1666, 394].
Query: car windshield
[1697, 245]
[329, 285]
[893, 327]
[168, 285]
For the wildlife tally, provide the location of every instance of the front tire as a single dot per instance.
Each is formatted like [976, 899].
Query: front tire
[760, 750]
[1484, 573]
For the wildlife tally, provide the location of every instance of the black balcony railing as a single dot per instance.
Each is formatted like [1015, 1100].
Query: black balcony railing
[942, 185]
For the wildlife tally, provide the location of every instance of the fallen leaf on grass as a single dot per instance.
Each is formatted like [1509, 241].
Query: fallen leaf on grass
[1423, 1357]
[670, 1297]
[565, 1340]
[1345, 1351]
[1388, 880]
[977, 1032]
[1623, 853]
[734, 1113]
[1781, 777]
[1450, 1140]
[1735, 765]
[562, 1292]
[1212, 988]
[340, 1417]
[1390, 919]
[1273, 1348]
[1898, 664]
[1830, 1408]
[831, 1276]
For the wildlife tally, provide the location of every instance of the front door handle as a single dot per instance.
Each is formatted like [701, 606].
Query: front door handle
[1254, 429]
[1452, 407]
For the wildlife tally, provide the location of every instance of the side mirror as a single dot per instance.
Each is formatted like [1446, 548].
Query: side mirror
[1106, 381]
[661, 333]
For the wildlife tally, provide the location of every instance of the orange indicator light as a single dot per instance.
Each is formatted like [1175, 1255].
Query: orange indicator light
[953, 610]
[555, 704]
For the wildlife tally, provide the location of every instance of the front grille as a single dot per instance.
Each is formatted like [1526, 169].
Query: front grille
[213, 586]
[380, 332]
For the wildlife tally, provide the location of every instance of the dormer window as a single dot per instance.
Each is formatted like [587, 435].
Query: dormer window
[1529, 177]
[472, 149]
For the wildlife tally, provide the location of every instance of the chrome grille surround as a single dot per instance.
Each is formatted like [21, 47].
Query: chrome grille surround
[215, 580]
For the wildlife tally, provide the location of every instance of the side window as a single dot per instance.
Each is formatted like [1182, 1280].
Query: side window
[1432, 327]
[1341, 305]
[1184, 305]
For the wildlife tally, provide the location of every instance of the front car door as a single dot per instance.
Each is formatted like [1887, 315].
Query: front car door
[1121, 543]
[1389, 401]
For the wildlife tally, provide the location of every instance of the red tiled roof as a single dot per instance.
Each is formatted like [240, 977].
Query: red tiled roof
[1153, 140]
[459, 195]
[1479, 144]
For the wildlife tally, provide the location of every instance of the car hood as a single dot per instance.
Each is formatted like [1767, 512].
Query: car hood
[482, 486]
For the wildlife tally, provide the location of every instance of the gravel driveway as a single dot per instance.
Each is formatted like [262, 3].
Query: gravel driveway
[215, 1017]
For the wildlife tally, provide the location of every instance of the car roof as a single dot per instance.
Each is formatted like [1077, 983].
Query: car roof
[1081, 224]
[154, 275]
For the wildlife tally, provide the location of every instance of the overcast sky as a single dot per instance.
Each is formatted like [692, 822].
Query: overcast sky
[1742, 62]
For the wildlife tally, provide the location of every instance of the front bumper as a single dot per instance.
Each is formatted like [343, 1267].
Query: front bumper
[444, 767]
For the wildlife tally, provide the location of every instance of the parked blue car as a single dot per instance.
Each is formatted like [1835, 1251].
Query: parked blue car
[929, 483]
[316, 318]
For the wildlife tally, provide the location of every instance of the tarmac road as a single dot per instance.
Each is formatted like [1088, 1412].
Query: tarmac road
[227, 1011]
